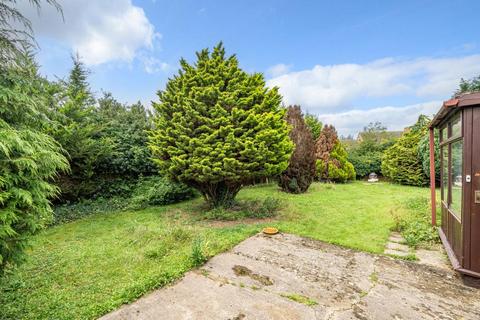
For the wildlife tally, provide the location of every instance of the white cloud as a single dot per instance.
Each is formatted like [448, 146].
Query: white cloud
[278, 70]
[394, 118]
[337, 87]
[100, 31]
[154, 65]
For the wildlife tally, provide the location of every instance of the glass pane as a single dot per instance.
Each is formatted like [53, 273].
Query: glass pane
[444, 173]
[443, 134]
[457, 178]
[456, 126]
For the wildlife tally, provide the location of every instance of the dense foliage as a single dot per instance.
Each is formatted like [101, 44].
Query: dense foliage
[29, 159]
[366, 156]
[219, 128]
[105, 141]
[301, 168]
[131, 195]
[424, 155]
[126, 127]
[332, 163]
[79, 134]
[337, 168]
[401, 162]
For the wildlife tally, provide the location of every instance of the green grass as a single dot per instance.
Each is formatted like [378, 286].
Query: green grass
[300, 299]
[86, 268]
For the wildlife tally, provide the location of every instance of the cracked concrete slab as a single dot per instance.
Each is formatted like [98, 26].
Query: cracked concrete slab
[289, 277]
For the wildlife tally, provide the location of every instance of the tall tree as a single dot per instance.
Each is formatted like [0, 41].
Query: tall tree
[301, 169]
[79, 133]
[332, 162]
[324, 146]
[401, 162]
[218, 128]
[29, 158]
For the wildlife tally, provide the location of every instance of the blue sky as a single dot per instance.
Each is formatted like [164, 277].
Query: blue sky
[350, 62]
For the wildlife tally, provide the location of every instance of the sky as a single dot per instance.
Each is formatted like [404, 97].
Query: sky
[349, 62]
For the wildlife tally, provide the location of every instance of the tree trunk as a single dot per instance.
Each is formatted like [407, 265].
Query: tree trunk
[220, 194]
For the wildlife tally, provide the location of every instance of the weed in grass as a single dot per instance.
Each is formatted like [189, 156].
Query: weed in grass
[300, 299]
[198, 256]
[408, 257]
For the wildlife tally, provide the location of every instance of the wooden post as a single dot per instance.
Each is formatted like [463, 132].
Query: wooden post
[432, 177]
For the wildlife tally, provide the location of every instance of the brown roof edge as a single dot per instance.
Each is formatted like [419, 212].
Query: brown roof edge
[463, 100]
[451, 103]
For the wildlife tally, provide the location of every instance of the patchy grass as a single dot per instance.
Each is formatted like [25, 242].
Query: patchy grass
[356, 215]
[86, 268]
[300, 299]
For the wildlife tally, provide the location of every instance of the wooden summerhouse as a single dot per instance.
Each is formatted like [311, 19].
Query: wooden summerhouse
[458, 125]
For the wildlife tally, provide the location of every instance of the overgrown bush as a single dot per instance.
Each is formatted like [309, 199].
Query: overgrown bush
[401, 162]
[148, 191]
[105, 140]
[301, 168]
[218, 128]
[155, 191]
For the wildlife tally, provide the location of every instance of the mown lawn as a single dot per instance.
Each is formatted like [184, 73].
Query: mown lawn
[86, 268]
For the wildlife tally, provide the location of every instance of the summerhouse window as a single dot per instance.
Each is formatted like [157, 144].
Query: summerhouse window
[451, 142]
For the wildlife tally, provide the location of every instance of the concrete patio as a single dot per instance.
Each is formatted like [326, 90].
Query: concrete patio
[289, 277]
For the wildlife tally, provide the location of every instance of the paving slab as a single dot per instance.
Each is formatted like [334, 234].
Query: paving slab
[397, 253]
[289, 277]
[396, 237]
[397, 246]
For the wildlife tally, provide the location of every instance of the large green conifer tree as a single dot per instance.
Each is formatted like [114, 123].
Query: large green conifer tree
[401, 162]
[219, 128]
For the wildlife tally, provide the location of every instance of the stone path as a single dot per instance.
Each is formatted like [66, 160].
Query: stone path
[435, 257]
[289, 277]
[396, 247]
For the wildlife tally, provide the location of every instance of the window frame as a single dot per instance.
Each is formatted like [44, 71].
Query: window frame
[446, 145]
